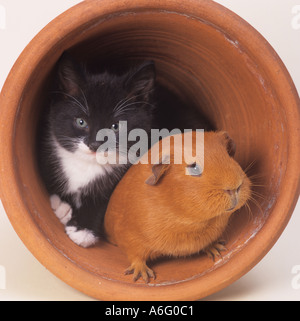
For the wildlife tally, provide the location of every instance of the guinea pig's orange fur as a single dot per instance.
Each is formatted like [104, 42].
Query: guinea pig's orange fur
[176, 214]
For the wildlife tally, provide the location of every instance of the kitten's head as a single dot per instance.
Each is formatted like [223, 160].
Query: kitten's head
[88, 102]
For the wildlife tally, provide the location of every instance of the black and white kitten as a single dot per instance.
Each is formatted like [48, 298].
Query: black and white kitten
[84, 103]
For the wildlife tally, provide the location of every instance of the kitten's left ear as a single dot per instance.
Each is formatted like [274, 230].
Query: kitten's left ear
[140, 81]
[70, 75]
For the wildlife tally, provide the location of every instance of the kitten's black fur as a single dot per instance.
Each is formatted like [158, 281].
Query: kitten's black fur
[80, 94]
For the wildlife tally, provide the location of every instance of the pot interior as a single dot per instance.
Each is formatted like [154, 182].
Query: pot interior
[204, 66]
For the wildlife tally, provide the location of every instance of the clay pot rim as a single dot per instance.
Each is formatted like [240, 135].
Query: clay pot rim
[11, 195]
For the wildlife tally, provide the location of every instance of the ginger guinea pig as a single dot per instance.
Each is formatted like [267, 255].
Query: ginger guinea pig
[173, 209]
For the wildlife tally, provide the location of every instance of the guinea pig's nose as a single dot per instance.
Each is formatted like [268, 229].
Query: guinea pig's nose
[233, 193]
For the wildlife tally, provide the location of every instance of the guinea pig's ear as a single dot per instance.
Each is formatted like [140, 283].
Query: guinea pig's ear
[229, 143]
[158, 171]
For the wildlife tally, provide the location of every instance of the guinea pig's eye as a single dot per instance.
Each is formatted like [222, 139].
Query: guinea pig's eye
[81, 123]
[115, 127]
[194, 170]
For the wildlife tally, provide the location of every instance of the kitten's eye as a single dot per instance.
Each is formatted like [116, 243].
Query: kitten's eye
[81, 123]
[115, 127]
[194, 170]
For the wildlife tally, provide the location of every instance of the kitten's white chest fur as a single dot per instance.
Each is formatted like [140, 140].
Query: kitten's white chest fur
[80, 167]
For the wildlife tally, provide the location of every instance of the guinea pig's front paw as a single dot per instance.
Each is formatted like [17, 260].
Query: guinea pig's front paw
[140, 269]
[215, 249]
[62, 210]
[84, 237]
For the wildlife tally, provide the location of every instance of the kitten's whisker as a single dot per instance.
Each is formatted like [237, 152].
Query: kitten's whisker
[125, 100]
[85, 101]
[123, 111]
[122, 102]
[124, 108]
[77, 102]
[84, 97]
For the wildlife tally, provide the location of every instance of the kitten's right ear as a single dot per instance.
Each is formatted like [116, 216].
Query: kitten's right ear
[140, 81]
[69, 75]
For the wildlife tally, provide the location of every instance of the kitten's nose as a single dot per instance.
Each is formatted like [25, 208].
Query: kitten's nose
[94, 146]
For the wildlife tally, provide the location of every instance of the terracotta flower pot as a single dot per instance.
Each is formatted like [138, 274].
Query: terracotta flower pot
[208, 56]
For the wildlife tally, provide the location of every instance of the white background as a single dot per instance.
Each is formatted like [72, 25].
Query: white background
[276, 277]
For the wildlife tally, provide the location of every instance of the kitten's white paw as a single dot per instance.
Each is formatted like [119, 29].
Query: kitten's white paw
[84, 238]
[62, 210]
[55, 201]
